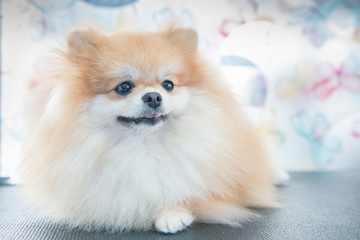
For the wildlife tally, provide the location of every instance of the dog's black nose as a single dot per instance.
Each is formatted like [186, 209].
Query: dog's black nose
[153, 99]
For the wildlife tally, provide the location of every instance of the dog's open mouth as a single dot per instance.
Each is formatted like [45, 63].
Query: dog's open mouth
[148, 119]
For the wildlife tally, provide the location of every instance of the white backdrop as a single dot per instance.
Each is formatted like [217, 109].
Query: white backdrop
[294, 64]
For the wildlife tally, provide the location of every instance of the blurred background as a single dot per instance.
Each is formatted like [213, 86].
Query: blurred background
[294, 64]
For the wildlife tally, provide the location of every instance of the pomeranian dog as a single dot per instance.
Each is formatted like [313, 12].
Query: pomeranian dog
[136, 131]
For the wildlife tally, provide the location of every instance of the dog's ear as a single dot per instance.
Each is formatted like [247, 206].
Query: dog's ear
[79, 41]
[186, 37]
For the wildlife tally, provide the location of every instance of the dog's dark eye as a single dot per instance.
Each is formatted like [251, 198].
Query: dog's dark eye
[124, 88]
[168, 85]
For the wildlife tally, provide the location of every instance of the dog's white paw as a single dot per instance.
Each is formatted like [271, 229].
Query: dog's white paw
[282, 178]
[173, 221]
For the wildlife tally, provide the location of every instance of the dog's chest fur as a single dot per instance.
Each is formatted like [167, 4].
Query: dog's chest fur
[129, 181]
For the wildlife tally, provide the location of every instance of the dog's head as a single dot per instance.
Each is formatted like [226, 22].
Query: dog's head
[135, 79]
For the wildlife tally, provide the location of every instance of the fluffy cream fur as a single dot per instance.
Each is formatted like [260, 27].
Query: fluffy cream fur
[204, 162]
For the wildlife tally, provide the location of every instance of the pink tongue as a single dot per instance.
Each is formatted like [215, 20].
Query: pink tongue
[155, 115]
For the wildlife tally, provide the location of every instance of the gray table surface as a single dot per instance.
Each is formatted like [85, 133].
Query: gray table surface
[316, 206]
